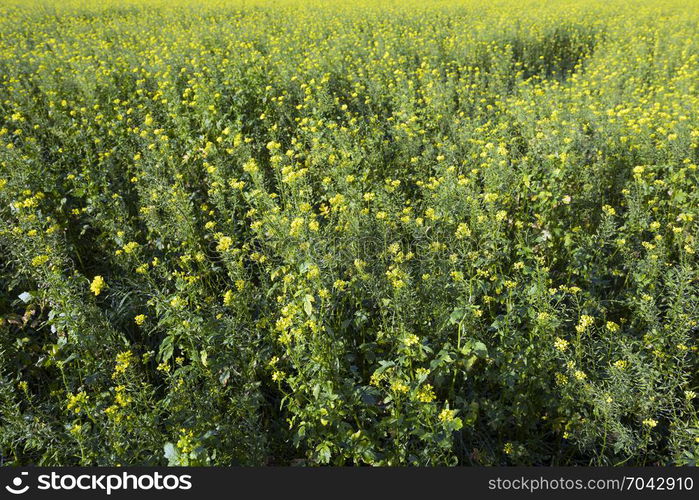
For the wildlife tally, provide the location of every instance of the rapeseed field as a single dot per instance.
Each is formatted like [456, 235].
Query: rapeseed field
[349, 233]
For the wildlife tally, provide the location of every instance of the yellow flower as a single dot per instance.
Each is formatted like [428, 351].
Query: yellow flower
[609, 210]
[296, 226]
[462, 231]
[612, 327]
[40, 260]
[425, 394]
[584, 323]
[120, 397]
[543, 317]
[224, 243]
[76, 401]
[130, 247]
[313, 272]
[123, 361]
[560, 344]
[399, 387]
[650, 423]
[340, 284]
[97, 285]
[140, 319]
[186, 443]
[411, 340]
[447, 415]
[250, 166]
[177, 301]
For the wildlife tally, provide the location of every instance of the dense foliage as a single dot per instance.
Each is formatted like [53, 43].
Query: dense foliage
[306, 233]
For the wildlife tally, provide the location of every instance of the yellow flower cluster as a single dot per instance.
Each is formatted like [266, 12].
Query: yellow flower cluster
[98, 285]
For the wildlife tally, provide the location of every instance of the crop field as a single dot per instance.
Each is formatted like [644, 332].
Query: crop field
[349, 233]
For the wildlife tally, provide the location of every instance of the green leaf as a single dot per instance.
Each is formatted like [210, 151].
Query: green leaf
[166, 349]
[480, 349]
[225, 376]
[385, 365]
[456, 316]
[308, 304]
[324, 454]
[172, 454]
